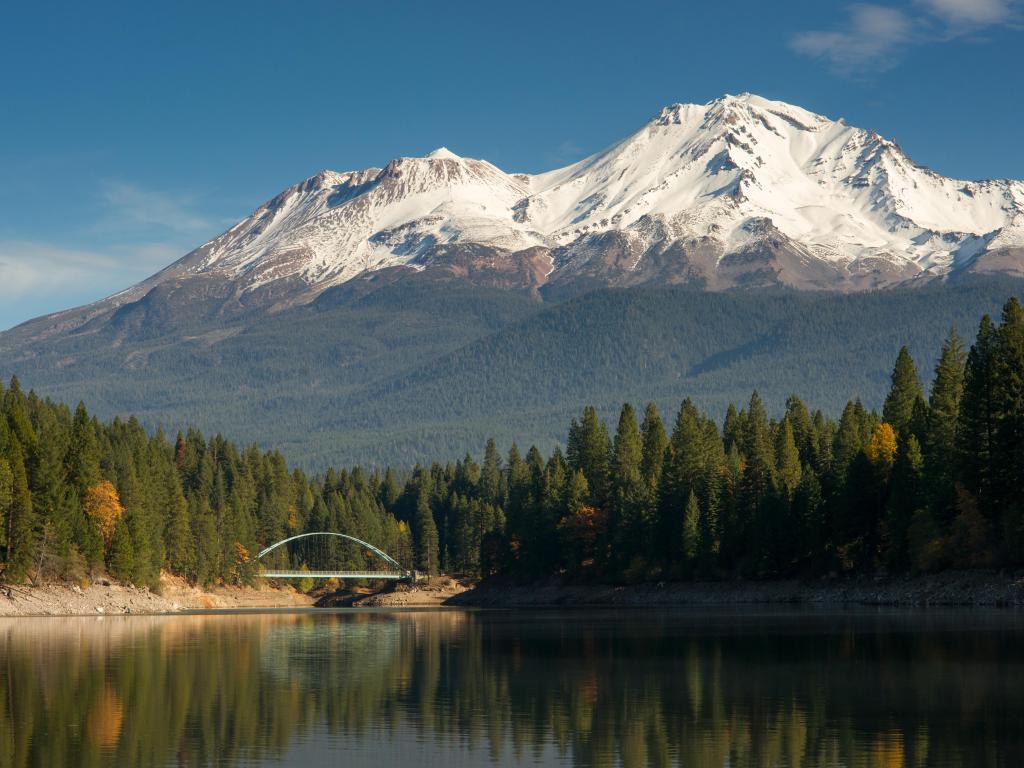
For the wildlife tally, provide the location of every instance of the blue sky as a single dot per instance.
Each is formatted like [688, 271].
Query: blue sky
[132, 132]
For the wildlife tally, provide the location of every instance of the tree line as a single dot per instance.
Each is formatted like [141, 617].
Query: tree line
[934, 481]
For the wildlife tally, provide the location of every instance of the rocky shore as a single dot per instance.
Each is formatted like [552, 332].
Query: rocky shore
[437, 592]
[967, 588]
[108, 597]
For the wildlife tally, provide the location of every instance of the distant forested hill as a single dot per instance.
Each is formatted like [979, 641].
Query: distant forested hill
[417, 370]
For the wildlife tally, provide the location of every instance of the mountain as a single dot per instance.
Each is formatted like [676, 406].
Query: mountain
[396, 313]
[739, 192]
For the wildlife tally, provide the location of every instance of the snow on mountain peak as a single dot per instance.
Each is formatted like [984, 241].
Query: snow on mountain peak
[733, 174]
[443, 153]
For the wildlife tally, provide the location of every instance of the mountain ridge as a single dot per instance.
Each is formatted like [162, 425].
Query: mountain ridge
[739, 192]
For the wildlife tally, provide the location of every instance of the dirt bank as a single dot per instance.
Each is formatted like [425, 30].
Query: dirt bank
[978, 588]
[108, 597]
[432, 594]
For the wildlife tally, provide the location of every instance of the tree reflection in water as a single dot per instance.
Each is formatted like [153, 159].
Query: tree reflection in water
[583, 688]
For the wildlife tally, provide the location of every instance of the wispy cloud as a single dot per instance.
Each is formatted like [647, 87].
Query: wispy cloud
[871, 36]
[30, 267]
[566, 152]
[134, 232]
[37, 268]
[130, 208]
[959, 13]
[874, 36]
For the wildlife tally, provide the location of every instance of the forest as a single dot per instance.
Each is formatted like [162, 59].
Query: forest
[417, 372]
[933, 481]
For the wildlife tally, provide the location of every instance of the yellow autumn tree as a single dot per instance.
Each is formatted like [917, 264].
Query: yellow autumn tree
[881, 450]
[103, 507]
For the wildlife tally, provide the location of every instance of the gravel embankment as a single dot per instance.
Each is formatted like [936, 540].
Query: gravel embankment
[433, 594]
[981, 588]
[109, 597]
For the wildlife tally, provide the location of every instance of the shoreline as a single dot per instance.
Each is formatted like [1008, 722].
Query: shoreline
[108, 598]
[948, 589]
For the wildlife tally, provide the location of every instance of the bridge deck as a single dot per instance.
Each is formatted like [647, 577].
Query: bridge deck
[389, 575]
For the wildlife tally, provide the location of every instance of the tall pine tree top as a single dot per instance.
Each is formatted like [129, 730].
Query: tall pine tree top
[905, 392]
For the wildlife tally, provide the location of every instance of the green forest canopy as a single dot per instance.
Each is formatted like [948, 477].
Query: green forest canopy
[933, 481]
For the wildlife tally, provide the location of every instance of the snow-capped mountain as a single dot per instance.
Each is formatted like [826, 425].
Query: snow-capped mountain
[739, 191]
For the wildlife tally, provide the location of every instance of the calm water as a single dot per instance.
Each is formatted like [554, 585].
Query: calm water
[770, 688]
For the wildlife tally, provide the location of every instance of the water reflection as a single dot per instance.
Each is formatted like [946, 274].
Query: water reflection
[584, 688]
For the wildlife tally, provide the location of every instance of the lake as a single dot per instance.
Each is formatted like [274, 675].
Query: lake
[756, 687]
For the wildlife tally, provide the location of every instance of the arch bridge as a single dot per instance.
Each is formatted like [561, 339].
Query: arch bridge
[391, 569]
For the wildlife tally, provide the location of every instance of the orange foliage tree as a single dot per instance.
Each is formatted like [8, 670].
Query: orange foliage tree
[882, 448]
[103, 507]
[581, 531]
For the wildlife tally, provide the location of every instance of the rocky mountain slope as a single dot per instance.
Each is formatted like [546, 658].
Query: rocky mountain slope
[410, 311]
[739, 192]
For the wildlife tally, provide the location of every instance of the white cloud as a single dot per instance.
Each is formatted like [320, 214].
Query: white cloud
[136, 232]
[872, 35]
[970, 12]
[130, 208]
[33, 268]
[875, 35]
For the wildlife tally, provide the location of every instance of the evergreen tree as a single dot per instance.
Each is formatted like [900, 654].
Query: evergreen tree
[904, 395]
[6, 498]
[976, 423]
[1008, 442]
[491, 487]
[121, 556]
[905, 500]
[628, 490]
[940, 434]
[787, 459]
[21, 518]
[83, 453]
[588, 450]
[425, 536]
[655, 443]
[691, 532]
[178, 531]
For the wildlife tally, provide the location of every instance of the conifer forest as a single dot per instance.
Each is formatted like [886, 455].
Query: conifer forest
[933, 481]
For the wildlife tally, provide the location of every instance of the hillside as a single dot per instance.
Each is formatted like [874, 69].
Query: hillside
[416, 369]
[411, 310]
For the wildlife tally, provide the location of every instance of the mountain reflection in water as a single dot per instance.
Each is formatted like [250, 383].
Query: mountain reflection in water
[591, 688]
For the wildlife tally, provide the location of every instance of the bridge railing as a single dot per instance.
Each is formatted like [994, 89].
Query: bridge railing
[285, 574]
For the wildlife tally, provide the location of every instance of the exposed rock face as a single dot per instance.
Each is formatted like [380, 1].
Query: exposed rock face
[741, 192]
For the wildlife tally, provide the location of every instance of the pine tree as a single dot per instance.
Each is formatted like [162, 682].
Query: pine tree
[940, 434]
[691, 532]
[628, 491]
[83, 453]
[6, 497]
[976, 423]
[655, 442]
[425, 535]
[655, 450]
[682, 473]
[589, 451]
[905, 394]
[121, 556]
[1008, 443]
[804, 436]
[491, 486]
[905, 500]
[787, 459]
[21, 518]
[178, 530]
